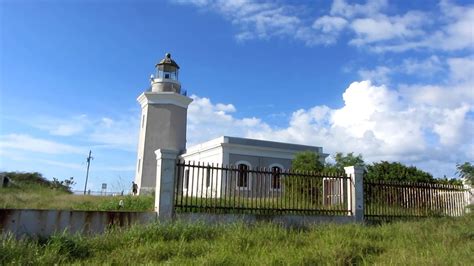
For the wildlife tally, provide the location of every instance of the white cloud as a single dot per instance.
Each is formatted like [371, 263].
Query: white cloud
[262, 19]
[225, 107]
[380, 123]
[117, 133]
[62, 164]
[462, 68]
[255, 19]
[448, 28]
[457, 90]
[452, 126]
[453, 70]
[427, 67]
[458, 31]
[58, 127]
[329, 24]
[330, 27]
[207, 120]
[381, 28]
[380, 74]
[342, 8]
[28, 143]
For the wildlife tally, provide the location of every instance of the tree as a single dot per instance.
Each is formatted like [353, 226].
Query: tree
[396, 171]
[448, 181]
[343, 161]
[300, 187]
[21, 179]
[66, 184]
[307, 161]
[466, 172]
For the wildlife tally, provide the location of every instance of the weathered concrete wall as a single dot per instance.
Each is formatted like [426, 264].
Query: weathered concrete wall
[298, 221]
[22, 222]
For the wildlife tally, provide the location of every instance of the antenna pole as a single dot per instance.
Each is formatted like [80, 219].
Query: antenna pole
[87, 173]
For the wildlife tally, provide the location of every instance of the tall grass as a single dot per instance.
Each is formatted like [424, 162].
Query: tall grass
[444, 241]
[39, 197]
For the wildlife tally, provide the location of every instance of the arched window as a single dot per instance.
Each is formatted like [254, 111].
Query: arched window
[276, 177]
[243, 175]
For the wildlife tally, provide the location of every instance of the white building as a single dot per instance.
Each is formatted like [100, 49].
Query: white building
[163, 126]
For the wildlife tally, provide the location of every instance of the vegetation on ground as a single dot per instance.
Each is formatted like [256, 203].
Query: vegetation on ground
[33, 191]
[35, 179]
[444, 241]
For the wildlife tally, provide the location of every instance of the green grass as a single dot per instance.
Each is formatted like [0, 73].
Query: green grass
[39, 197]
[443, 241]
[33, 191]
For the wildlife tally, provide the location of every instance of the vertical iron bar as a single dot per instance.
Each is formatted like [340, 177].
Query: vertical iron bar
[223, 186]
[213, 199]
[191, 165]
[183, 163]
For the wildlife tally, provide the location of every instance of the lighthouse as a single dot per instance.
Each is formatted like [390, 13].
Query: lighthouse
[163, 121]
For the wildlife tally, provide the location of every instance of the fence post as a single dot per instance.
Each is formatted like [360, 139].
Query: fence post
[165, 182]
[356, 192]
[468, 195]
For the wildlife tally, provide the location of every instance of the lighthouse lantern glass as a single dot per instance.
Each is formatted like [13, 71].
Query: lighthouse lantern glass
[167, 72]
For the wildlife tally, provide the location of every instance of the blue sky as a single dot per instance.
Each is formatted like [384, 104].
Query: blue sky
[393, 80]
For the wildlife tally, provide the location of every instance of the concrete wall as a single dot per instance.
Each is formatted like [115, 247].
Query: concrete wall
[22, 222]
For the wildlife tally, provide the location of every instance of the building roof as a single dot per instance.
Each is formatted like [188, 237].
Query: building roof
[271, 144]
[253, 143]
[167, 61]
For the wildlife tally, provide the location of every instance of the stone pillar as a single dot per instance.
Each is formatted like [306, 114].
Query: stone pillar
[356, 192]
[165, 182]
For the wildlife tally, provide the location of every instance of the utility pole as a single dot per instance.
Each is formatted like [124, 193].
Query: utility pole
[89, 158]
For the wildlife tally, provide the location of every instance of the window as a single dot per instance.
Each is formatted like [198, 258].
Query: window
[186, 179]
[276, 178]
[243, 176]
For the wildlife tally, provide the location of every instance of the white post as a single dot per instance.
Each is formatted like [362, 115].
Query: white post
[468, 196]
[165, 182]
[356, 192]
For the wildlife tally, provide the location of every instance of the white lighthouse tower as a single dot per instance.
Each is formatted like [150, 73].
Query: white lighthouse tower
[163, 121]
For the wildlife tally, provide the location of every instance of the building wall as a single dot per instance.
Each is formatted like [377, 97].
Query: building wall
[260, 185]
[197, 181]
[164, 127]
[259, 161]
[230, 151]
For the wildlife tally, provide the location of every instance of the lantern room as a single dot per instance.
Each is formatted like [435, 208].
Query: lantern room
[166, 79]
[167, 68]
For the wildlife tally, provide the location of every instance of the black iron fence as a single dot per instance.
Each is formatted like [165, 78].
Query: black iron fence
[388, 200]
[213, 188]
